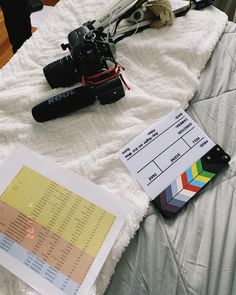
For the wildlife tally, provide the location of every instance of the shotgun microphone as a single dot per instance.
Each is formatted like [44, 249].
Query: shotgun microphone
[78, 98]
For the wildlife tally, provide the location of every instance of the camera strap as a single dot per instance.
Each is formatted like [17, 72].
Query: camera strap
[140, 24]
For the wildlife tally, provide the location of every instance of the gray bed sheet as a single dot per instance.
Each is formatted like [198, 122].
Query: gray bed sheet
[195, 253]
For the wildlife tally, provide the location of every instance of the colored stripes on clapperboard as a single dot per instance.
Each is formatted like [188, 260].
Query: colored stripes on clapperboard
[181, 190]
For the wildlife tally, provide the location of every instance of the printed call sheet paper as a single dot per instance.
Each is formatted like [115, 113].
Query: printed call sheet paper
[164, 151]
[56, 228]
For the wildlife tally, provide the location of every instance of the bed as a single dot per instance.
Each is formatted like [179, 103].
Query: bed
[193, 253]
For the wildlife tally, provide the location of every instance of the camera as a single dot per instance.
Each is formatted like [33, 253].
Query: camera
[92, 62]
[91, 52]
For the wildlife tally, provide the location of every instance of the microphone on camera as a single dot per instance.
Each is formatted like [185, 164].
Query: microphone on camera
[78, 98]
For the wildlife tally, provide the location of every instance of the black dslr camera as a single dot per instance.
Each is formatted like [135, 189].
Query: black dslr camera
[91, 62]
[91, 52]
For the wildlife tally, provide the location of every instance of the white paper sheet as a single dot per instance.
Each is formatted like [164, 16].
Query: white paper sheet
[56, 228]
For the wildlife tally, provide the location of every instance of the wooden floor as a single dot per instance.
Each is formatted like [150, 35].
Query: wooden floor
[5, 46]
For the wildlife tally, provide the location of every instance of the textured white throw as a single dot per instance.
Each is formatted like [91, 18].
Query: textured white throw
[162, 69]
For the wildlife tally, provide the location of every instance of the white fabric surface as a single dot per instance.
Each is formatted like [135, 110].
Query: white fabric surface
[162, 69]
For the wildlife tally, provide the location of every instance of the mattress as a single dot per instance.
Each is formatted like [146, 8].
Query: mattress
[195, 252]
[162, 69]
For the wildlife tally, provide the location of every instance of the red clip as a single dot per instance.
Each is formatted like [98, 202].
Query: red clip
[104, 76]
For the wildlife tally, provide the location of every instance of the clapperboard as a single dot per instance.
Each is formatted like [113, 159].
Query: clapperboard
[173, 161]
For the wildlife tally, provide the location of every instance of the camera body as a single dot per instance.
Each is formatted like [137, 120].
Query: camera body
[91, 52]
[92, 62]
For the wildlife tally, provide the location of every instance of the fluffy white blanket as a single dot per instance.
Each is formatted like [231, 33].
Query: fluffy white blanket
[162, 69]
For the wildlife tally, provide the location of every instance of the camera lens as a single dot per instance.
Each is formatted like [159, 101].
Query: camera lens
[61, 73]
